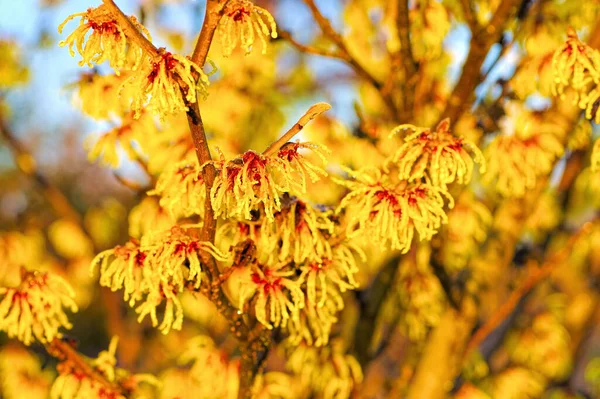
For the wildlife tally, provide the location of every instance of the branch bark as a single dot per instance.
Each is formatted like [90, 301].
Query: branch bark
[481, 42]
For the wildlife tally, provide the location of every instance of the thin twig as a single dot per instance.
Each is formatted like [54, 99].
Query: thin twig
[308, 116]
[481, 41]
[408, 62]
[309, 49]
[534, 277]
[63, 351]
[337, 39]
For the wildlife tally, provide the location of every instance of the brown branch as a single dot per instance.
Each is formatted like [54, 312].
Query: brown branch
[309, 49]
[130, 29]
[408, 62]
[64, 352]
[337, 39]
[469, 16]
[308, 116]
[481, 42]
[534, 277]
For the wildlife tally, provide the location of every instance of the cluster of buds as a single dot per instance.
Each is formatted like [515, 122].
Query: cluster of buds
[36, 308]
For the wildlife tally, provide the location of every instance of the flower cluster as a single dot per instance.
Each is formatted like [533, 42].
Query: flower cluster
[181, 189]
[468, 223]
[107, 40]
[166, 83]
[155, 270]
[257, 181]
[544, 347]
[420, 295]
[100, 97]
[241, 22]
[299, 232]
[212, 373]
[389, 213]
[276, 294]
[105, 148]
[439, 155]
[577, 65]
[327, 372]
[515, 164]
[35, 309]
[432, 22]
[148, 216]
[524, 152]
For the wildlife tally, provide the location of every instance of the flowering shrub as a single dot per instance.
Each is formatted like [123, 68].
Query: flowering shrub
[439, 239]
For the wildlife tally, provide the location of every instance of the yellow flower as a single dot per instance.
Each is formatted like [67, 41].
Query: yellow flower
[439, 155]
[278, 297]
[181, 189]
[514, 164]
[212, 373]
[577, 65]
[431, 26]
[468, 223]
[155, 270]
[12, 73]
[22, 374]
[241, 23]
[327, 371]
[339, 270]
[255, 180]
[298, 233]
[544, 347]
[35, 309]
[98, 95]
[526, 149]
[148, 216]
[131, 130]
[518, 382]
[107, 41]
[314, 323]
[388, 214]
[166, 84]
[420, 295]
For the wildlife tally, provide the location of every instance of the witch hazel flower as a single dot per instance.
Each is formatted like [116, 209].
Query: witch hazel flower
[390, 212]
[36, 308]
[165, 84]
[241, 23]
[276, 296]
[438, 154]
[107, 40]
[257, 181]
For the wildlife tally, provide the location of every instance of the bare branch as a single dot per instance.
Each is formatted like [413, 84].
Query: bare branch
[308, 116]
